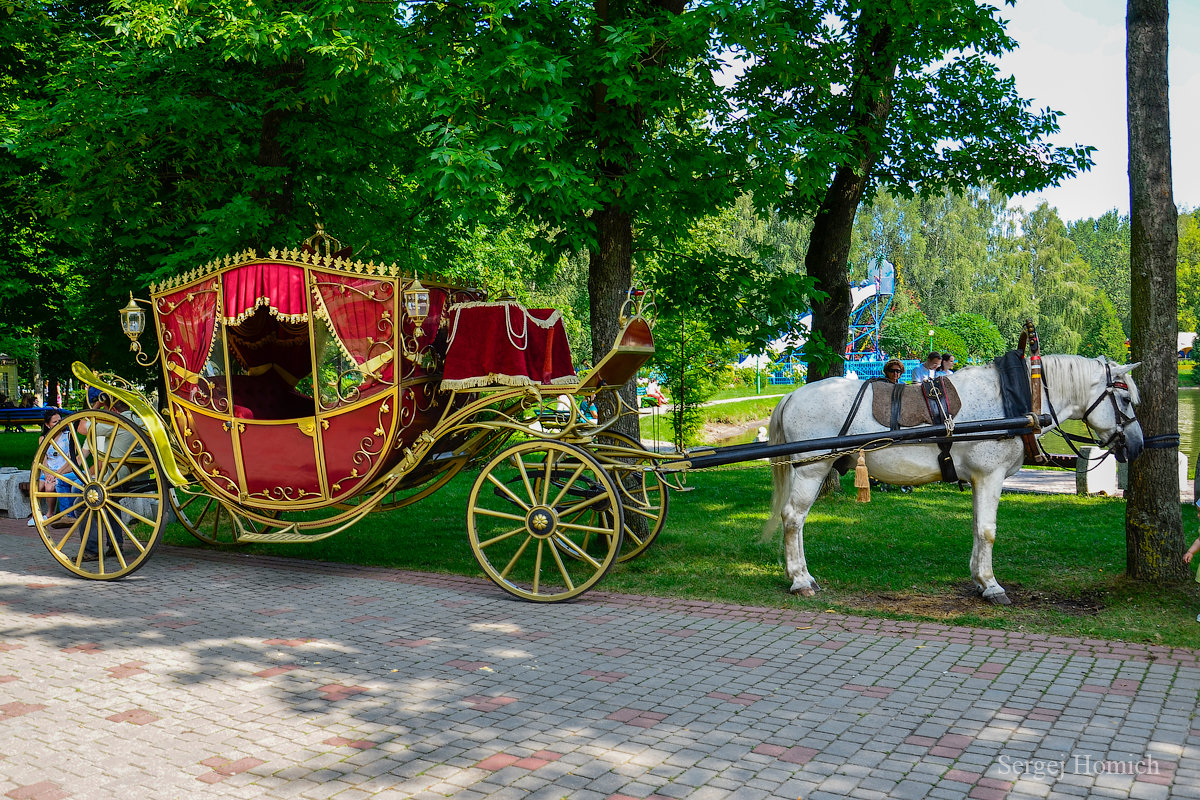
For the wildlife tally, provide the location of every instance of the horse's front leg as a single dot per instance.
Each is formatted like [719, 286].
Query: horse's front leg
[806, 485]
[985, 494]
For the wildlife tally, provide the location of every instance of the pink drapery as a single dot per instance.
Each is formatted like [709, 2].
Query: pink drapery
[188, 319]
[361, 313]
[278, 287]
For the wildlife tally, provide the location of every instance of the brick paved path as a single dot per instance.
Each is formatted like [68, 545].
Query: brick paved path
[210, 675]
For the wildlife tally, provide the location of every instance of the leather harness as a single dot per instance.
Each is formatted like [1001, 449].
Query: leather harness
[934, 393]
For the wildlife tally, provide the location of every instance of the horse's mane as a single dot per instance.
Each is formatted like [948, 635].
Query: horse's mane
[1075, 374]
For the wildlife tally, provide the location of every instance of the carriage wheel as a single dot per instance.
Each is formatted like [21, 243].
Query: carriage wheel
[108, 503]
[544, 521]
[208, 518]
[643, 492]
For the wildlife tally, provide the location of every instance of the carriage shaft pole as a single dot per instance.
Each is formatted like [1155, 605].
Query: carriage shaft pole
[719, 456]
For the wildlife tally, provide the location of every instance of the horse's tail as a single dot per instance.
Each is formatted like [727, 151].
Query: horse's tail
[781, 471]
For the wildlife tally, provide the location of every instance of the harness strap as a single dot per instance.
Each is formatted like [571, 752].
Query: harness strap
[946, 463]
[934, 392]
[862, 390]
[897, 396]
[1164, 442]
[1033, 447]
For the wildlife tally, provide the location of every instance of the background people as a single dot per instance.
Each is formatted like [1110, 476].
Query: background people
[893, 370]
[928, 370]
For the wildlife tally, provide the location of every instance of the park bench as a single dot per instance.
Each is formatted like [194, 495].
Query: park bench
[15, 419]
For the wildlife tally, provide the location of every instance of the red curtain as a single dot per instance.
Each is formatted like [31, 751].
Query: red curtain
[506, 343]
[277, 287]
[187, 321]
[361, 314]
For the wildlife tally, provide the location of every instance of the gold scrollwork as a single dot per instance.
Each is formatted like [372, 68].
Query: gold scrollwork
[369, 448]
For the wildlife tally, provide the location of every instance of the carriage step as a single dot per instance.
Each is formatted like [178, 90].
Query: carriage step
[284, 537]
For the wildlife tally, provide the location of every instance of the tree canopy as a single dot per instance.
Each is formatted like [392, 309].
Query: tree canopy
[847, 96]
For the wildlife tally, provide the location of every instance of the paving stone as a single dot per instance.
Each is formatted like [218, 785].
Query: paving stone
[438, 674]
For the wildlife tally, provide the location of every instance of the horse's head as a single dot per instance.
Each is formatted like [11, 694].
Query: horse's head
[1110, 411]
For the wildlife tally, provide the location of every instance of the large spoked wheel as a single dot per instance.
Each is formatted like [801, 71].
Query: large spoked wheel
[207, 518]
[643, 491]
[544, 521]
[105, 512]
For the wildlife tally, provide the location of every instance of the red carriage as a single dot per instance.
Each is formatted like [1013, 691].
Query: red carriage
[305, 389]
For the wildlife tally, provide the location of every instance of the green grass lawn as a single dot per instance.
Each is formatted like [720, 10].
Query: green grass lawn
[752, 391]
[17, 449]
[905, 556]
[656, 426]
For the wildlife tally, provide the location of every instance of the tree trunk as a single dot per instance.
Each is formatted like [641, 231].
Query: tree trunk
[610, 274]
[829, 243]
[277, 198]
[610, 265]
[1153, 529]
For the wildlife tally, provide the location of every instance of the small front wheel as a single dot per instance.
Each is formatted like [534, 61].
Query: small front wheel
[643, 490]
[104, 512]
[545, 521]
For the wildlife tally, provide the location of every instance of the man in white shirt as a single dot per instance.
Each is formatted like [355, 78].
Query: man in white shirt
[925, 372]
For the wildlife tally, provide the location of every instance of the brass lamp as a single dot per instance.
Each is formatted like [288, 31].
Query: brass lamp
[133, 322]
[416, 303]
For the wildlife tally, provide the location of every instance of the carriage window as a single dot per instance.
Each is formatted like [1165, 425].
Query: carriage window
[268, 357]
[338, 377]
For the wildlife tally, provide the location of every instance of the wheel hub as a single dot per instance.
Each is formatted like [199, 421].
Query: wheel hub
[93, 496]
[541, 522]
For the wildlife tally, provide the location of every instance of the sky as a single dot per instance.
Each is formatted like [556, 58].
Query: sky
[1071, 58]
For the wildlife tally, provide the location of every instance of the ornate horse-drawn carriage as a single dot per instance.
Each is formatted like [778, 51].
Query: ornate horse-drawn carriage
[304, 390]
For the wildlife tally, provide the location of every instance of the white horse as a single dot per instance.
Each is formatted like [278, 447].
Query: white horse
[1095, 390]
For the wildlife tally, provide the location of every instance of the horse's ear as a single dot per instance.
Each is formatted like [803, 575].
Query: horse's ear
[1125, 368]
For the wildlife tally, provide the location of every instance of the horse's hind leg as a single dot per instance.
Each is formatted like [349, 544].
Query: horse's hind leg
[985, 495]
[806, 484]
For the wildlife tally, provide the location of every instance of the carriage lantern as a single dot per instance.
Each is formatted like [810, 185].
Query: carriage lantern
[133, 322]
[416, 303]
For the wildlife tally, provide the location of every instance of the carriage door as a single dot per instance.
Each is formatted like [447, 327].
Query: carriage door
[269, 334]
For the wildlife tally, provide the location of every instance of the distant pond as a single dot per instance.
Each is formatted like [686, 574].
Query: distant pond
[1189, 422]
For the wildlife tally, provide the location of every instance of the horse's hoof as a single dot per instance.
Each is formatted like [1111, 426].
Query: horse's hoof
[999, 599]
[805, 589]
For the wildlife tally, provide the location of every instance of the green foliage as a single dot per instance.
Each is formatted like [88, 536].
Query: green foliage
[981, 338]
[1187, 276]
[906, 334]
[1104, 244]
[732, 277]
[693, 363]
[954, 122]
[947, 341]
[1103, 335]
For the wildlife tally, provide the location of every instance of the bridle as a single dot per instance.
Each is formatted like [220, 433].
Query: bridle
[1116, 444]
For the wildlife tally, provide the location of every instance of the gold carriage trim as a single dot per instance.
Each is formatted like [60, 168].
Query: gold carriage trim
[494, 379]
[264, 302]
